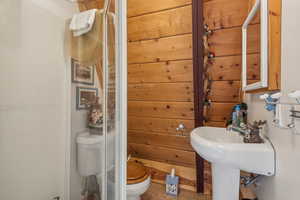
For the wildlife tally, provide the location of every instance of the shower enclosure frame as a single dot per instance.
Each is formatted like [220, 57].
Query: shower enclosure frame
[121, 118]
[122, 85]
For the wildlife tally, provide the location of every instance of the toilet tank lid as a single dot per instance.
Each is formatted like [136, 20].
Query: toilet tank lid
[87, 138]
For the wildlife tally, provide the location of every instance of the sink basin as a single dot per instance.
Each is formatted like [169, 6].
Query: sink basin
[228, 155]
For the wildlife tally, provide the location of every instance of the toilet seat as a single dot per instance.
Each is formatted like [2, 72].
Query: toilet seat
[136, 173]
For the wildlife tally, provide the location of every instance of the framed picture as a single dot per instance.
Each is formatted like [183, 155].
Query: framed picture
[85, 97]
[82, 74]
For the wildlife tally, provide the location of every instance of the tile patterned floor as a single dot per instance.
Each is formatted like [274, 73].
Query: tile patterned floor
[157, 192]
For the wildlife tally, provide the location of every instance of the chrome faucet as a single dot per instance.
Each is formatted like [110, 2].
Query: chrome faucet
[250, 132]
[243, 129]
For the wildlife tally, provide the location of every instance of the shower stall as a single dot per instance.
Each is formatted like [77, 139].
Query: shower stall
[99, 104]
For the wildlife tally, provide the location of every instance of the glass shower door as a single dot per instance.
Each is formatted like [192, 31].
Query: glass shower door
[114, 104]
[109, 103]
[111, 72]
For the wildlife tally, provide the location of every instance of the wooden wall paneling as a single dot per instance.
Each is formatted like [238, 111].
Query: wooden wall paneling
[225, 18]
[160, 125]
[219, 111]
[220, 14]
[229, 68]
[159, 170]
[161, 72]
[162, 140]
[228, 42]
[170, 110]
[275, 44]
[164, 49]
[160, 83]
[221, 124]
[162, 154]
[161, 92]
[225, 91]
[138, 7]
[160, 24]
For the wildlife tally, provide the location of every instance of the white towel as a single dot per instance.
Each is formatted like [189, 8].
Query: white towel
[83, 22]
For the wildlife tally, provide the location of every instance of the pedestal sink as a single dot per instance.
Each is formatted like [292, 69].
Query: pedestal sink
[228, 155]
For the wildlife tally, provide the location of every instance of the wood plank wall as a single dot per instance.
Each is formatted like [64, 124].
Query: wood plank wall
[160, 78]
[160, 87]
[225, 19]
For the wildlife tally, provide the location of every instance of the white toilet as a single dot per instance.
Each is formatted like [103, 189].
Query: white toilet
[138, 180]
[90, 152]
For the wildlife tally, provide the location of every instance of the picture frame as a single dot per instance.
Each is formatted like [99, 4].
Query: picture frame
[85, 97]
[82, 74]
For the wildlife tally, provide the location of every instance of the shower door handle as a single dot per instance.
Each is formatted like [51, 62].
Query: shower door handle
[56, 198]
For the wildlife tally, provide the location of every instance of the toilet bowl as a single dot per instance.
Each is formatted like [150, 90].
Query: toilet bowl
[138, 180]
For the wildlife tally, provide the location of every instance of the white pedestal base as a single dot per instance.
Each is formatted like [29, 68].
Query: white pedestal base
[226, 182]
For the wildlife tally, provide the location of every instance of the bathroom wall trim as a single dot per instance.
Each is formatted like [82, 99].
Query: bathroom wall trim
[198, 54]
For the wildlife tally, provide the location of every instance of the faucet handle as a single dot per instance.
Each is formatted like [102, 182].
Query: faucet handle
[259, 124]
[256, 127]
[262, 122]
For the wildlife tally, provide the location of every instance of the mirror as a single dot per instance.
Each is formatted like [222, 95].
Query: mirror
[255, 48]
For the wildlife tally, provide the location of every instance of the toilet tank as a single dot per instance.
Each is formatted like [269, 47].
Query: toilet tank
[90, 154]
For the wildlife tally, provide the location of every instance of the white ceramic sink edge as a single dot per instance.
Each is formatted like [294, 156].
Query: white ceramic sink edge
[219, 146]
